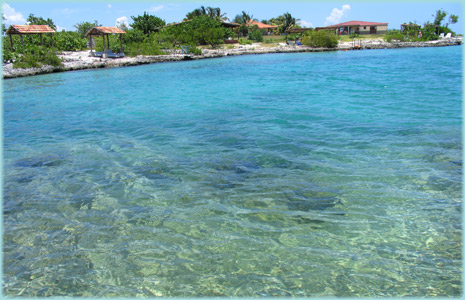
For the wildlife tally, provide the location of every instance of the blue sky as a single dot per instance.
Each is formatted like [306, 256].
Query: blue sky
[65, 14]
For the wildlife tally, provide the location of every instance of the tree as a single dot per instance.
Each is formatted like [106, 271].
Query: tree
[452, 20]
[284, 22]
[84, 27]
[3, 24]
[212, 12]
[202, 11]
[243, 18]
[255, 34]
[200, 30]
[321, 38]
[123, 27]
[33, 20]
[439, 17]
[147, 23]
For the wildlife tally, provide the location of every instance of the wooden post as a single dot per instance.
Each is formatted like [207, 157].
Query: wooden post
[41, 40]
[108, 42]
[121, 43]
[11, 42]
[22, 40]
[51, 39]
[90, 44]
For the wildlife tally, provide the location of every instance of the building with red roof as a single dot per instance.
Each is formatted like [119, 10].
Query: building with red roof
[358, 27]
[267, 27]
[261, 25]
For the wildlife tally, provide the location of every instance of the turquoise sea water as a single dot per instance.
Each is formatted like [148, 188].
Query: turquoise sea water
[312, 174]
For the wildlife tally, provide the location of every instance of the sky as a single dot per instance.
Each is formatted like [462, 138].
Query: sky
[311, 13]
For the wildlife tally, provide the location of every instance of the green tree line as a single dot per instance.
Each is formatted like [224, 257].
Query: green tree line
[429, 32]
[150, 35]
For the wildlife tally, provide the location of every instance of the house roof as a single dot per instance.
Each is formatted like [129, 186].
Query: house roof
[298, 30]
[227, 24]
[356, 23]
[29, 29]
[100, 30]
[261, 25]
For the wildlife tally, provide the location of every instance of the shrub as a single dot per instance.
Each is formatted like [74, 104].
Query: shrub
[195, 51]
[394, 35]
[268, 41]
[244, 42]
[134, 35]
[69, 41]
[36, 56]
[429, 33]
[320, 39]
[255, 34]
[147, 23]
[200, 30]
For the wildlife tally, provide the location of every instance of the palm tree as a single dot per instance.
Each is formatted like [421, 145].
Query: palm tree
[212, 12]
[215, 12]
[243, 19]
[286, 21]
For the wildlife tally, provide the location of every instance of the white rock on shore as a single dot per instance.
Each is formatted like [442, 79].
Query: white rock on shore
[82, 60]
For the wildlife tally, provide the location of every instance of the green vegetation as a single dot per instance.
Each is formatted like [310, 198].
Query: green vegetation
[147, 23]
[212, 12]
[430, 30]
[33, 54]
[33, 20]
[36, 56]
[69, 41]
[149, 35]
[395, 35]
[201, 30]
[243, 19]
[255, 34]
[244, 42]
[84, 27]
[321, 38]
[284, 22]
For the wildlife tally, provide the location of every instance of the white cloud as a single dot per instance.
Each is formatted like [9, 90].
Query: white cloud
[337, 14]
[109, 5]
[59, 28]
[305, 24]
[12, 16]
[122, 20]
[155, 8]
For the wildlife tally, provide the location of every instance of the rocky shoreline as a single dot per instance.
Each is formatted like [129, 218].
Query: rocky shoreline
[81, 60]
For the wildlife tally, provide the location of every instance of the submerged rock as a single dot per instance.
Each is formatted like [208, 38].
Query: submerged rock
[40, 161]
[238, 168]
[311, 200]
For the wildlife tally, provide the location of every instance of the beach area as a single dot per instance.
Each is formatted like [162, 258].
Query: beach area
[81, 60]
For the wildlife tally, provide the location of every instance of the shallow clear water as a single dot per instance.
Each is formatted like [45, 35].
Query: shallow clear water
[313, 174]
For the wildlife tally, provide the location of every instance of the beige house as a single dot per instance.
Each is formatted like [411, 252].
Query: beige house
[358, 27]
